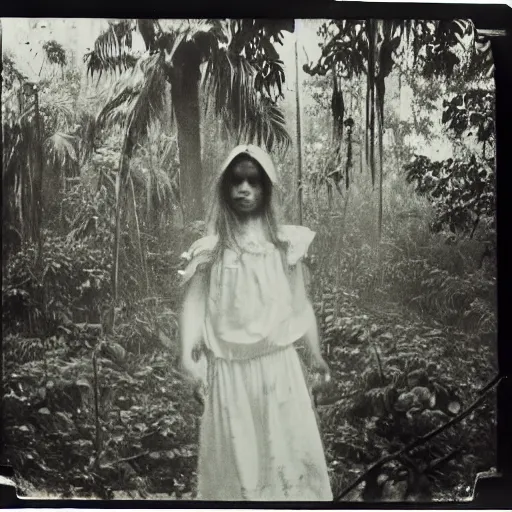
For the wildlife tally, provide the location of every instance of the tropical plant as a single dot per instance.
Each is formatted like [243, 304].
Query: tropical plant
[242, 77]
[374, 47]
[73, 273]
[462, 191]
[41, 148]
[472, 113]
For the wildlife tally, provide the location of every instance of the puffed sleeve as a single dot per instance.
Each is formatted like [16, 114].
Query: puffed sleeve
[299, 239]
[199, 255]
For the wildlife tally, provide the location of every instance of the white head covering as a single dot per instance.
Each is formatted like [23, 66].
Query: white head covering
[255, 152]
[260, 155]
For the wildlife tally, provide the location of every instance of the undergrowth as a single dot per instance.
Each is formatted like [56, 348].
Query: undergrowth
[395, 326]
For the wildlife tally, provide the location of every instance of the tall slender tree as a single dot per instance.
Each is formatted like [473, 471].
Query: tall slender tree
[298, 93]
[37, 143]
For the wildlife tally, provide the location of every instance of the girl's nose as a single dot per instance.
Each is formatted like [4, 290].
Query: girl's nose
[244, 187]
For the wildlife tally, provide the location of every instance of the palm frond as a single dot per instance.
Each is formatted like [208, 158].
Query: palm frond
[18, 174]
[112, 49]
[55, 53]
[157, 183]
[137, 98]
[58, 105]
[229, 83]
[169, 158]
[267, 127]
[155, 170]
[62, 147]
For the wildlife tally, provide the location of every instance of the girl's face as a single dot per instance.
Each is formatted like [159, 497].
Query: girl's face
[246, 187]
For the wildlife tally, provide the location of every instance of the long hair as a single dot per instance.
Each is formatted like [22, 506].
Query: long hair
[224, 222]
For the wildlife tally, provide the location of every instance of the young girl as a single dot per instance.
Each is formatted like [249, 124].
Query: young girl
[245, 307]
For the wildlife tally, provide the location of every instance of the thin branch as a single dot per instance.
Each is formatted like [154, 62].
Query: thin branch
[490, 385]
[443, 460]
[126, 459]
[96, 409]
[137, 228]
[423, 439]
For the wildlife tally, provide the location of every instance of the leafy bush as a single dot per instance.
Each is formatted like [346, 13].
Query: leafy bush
[395, 382]
[73, 282]
[461, 192]
[473, 110]
[145, 441]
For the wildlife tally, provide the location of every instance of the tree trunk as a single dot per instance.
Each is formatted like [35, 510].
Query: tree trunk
[140, 245]
[184, 78]
[121, 192]
[381, 184]
[299, 123]
[39, 179]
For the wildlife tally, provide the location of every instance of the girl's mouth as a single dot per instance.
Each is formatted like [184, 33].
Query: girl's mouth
[243, 201]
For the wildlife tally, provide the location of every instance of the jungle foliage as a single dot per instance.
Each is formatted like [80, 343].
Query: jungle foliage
[93, 200]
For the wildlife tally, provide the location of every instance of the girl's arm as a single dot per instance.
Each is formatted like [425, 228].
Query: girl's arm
[191, 324]
[311, 337]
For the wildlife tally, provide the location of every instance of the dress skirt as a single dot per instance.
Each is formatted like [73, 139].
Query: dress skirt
[259, 438]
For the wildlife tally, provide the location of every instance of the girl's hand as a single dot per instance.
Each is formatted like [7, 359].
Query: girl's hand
[199, 393]
[321, 368]
[194, 379]
[191, 373]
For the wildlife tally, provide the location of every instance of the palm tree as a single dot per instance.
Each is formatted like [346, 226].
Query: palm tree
[228, 65]
[40, 143]
[232, 65]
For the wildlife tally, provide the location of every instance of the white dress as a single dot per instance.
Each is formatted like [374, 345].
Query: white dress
[259, 439]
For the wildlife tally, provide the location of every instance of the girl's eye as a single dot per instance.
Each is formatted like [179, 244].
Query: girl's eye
[253, 182]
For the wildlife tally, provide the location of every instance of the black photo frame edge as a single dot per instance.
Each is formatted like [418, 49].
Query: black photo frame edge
[494, 491]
